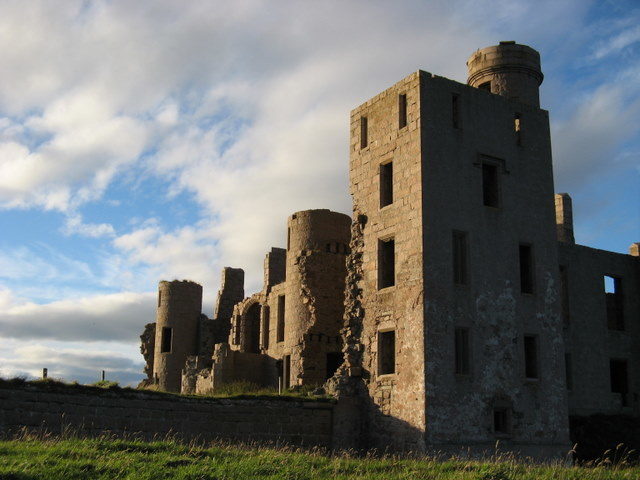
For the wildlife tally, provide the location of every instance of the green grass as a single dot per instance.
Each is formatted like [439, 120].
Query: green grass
[29, 458]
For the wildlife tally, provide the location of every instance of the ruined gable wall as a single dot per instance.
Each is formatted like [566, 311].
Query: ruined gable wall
[396, 413]
[491, 304]
[588, 339]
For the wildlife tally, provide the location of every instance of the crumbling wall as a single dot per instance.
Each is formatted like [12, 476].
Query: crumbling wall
[230, 366]
[275, 265]
[231, 292]
[147, 348]
[316, 269]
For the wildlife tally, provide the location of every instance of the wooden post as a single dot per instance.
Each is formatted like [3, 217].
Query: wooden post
[103, 375]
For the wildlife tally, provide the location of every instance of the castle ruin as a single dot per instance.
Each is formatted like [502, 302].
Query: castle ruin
[453, 309]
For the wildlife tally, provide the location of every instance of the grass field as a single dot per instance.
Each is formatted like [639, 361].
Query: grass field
[68, 459]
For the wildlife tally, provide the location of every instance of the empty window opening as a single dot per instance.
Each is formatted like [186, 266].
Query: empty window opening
[564, 295]
[485, 86]
[266, 320]
[280, 326]
[166, 341]
[386, 352]
[386, 263]
[619, 379]
[614, 300]
[526, 268]
[568, 371]
[530, 356]
[334, 360]
[288, 238]
[502, 420]
[402, 110]
[490, 185]
[455, 115]
[462, 351]
[460, 275]
[159, 298]
[516, 128]
[386, 184]
[364, 132]
[286, 371]
[252, 329]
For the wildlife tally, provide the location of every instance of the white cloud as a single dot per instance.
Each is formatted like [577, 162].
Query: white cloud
[74, 225]
[113, 317]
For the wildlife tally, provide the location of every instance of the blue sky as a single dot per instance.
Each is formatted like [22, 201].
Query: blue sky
[155, 140]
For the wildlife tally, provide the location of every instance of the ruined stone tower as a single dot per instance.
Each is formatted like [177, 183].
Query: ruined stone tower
[179, 307]
[461, 334]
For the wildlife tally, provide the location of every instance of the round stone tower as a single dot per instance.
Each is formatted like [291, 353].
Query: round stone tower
[317, 245]
[179, 307]
[508, 69]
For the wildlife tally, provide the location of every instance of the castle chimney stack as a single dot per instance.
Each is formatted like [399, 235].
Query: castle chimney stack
[634, 249]
[564, 218]
[507, 69]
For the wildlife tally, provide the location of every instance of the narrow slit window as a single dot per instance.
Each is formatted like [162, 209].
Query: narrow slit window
[386, 184]
[167, 338]
[460, 274]
[386, 352]
[490, 185]
[280, 326]
[462, 351]
[531, 356]
[517, 128]
[159, 298]
[402, 111]
[568, 371]
[455, 111]
[364, 132]
[619, 379]
[614, 301]
[386, 263]
[266, 320]
[286, 371]
[288, 238]
[526, 268]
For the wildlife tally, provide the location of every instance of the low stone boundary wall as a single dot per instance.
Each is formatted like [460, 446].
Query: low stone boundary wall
[149, 415]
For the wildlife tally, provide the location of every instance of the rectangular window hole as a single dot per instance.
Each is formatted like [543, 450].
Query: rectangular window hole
[531, 356]
[386, 263]
[386, 184]
[526, 268]
[502, 420]
[615, 302]
[460, 268]
[619, 379]
[386, 352]
[490, 185]
[167, 338]
[462, 351]
[455, 113]
[402, 110]
[280, 324]
[364, 132]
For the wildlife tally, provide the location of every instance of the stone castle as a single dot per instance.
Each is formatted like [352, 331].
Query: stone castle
[453, 309]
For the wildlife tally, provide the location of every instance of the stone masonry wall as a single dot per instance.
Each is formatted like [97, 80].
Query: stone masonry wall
[148, 416]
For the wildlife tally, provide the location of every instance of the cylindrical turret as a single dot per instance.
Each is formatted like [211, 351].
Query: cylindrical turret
[179, 308]
[508, 69]
[318, 241]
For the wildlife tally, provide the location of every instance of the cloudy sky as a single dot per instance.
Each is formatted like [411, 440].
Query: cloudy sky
[155, 140]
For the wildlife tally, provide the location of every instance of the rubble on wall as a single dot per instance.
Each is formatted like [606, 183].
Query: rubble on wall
[147, 348]
[346, 381]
